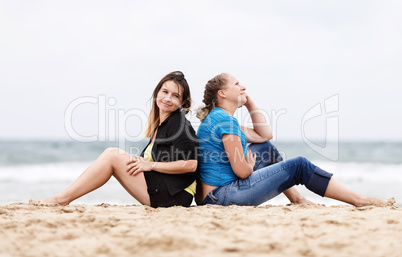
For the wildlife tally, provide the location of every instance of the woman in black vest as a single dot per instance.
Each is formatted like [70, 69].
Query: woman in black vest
[164, 174]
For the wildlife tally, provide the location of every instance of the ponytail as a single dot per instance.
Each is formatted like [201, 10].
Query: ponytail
[202, 112]
[211, 94]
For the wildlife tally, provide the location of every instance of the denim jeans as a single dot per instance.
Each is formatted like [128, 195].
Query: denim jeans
[271, 176]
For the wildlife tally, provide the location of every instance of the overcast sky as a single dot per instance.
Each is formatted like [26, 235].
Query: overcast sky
[291, 56]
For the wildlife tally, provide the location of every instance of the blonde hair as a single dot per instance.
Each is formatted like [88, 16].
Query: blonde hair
[211, 94]
[153, 118]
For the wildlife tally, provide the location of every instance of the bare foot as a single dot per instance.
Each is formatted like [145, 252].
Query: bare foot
[303, 201]
[371, 201]
[54, 200]
[39, 203]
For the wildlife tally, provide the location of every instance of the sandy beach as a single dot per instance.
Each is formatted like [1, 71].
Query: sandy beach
[111, 230]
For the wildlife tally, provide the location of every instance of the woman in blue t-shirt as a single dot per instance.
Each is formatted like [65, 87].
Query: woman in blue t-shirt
[232, 174]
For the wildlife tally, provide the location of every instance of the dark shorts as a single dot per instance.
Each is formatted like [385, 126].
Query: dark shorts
[159, 193]
[162, 198]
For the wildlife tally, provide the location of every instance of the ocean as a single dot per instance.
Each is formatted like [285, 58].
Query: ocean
[37, 169]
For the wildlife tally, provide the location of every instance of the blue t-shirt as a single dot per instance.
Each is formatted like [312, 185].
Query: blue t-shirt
[213, 162]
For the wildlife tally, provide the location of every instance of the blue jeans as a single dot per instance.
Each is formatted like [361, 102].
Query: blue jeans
[271, 176]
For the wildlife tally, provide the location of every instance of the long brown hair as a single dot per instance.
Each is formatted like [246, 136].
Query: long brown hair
[153, 118]
[211, 94]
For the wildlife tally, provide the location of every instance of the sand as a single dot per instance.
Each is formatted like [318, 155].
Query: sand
[108, 230]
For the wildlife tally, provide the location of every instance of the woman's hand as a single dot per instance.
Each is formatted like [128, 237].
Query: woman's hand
[249, 102]
[250, 158]
[261, 131]
[139, 164]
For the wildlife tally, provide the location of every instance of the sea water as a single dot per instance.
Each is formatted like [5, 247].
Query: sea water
[38, 169]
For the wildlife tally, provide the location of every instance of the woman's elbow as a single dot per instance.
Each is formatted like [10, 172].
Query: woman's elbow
[270, 137]
[264, 138]
[192, 165]
[243, 174]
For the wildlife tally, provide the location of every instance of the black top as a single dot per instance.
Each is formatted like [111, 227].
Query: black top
[176, 140]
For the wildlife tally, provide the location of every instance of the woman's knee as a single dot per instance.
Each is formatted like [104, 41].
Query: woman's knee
[272, 151]
[113, 153]
[114, 156]
[260, 147]
[110, 150]
[264, 148]
[303, 161]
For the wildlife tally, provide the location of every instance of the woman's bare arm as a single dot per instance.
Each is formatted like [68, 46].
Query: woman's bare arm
[261, 131]
[242, 166]
[139, 164]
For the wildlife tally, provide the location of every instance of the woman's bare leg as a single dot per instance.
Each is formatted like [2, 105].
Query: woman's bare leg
[338, 191]
[295, 197]
[112, 161]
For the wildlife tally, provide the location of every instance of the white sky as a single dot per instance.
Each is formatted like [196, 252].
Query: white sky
[291, 55]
